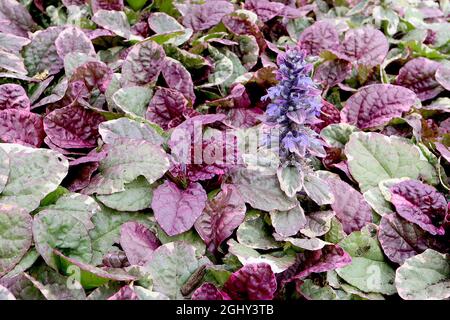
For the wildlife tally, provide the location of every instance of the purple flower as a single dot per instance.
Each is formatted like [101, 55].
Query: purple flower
[295, 105]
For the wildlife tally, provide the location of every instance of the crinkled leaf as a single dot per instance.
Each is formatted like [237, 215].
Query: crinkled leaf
[15, 18]
[115, 21]
[365, 46]
[72, 40]
[221, 216]
[252, 282]
[114, 130]
[133, 100]
[204, 16]
[418, 75]
[322, 35]
[73, 127]
[178, 78]
[143, 64]
[337, 135]
[377, 104]
[421, 204]
[13, 96]
[22, 127]
[166, 108]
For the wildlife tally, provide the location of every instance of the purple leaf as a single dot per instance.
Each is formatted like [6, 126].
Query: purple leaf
[265, 9]
[13, 96]
[125, 293]
[350, 207]
[17, 126]
[176, 210]
[221, 216]
[167, 108]
[421, 204]
[328, 114]
[138, 242]
[93, 74]
[375, 105]
[328, 258]
[204, 16]
[208, 291]
[143, 64]
[419, 76]
[365, 46]
[80, 176]
[178, 78]
[238, 98]
[73, 127]
[401, 239]
[116, 5]
[15, 18]
[321, 36]
[332, 72]
[252, 282]
[73, 40]
[443, 76]
[40, 55]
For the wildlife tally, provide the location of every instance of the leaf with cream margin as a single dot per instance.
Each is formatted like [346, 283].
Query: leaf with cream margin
[291, 179]
[113, 130]
[262, 191]
[125, 162]
[425, 276]
[373, 157]
[247, 255]
[33, 174]
[171, 265]
[318, 189]
[255, 233]
[288, 223]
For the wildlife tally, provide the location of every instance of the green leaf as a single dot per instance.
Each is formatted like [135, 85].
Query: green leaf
[171, 266]
[254, 233]
[316, 292]
[373, 157]
[317, 189]
[33, 174]
[64, 226]
[425, 276]
[223, 69]
[137, 196]
[376, 200]
[288, 223]
[4, 169]
[5, 294]
[337, 135]
[291, 179]
[336, 233]
[106, 231]
[133, 100]
[125, 162]
[15, 236]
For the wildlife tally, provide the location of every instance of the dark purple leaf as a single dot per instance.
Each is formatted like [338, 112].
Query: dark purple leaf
[221, 216]
[419, 76]
[252, 282]
[167, 108]
[73, 127]
[365, 46]
[204, 16]
[176, 210]
[80, 176]
[328, 258]
[208, 291]
[15, 18]
[125, 293]
[265, 9]
[332, 72]
[321, 36]
[17, 126]
[375, 105]
[178, 78]
[350, 207]
[106, 5]
[421, 204]
[73, 40]
[143, 64]
[138, 242]
[93, 74]
[13, 96]
[329, 114]
[401, 239]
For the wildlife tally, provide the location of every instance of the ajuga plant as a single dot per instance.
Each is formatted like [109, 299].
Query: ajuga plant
[295, 104]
